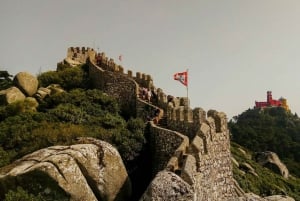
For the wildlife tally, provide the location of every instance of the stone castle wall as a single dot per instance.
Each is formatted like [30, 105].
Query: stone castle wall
[116, 85]
[197, 148]
[108, 76]
[211, 150]
[80, 54]
[167, 148]
[193, 144]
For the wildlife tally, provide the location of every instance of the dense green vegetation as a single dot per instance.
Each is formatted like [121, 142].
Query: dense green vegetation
[271, 129]
[5, 80]
[68, 78]
[82, 111]
[61, 118]
[21, 195]
[265, 182]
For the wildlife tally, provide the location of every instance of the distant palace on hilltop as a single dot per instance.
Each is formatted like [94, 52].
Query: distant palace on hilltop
[282, 102]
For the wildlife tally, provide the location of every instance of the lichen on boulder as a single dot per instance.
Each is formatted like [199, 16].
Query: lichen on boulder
[26, 82]
[91, 170]
[11, 95]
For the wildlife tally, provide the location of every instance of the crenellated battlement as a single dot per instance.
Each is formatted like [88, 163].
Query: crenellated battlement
[195, 117]
[176, 108]
[109, 64]
[80, 54]
[193, 143]
[106, 63]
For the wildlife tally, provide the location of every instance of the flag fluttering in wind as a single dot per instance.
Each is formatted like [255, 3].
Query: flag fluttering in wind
[182, 77]
[120, 57]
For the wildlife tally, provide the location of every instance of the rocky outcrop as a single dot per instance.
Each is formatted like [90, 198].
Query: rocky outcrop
[91, 170]
[270, 159]
[30, 104]
[168, 186]
[27, 83]
[43, 92]
[11, 95]
[71, 62]
[254, 197]
[55, 88]
[247, 168]
[279, 198]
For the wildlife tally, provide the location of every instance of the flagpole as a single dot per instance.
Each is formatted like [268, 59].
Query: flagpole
[121, 59]
[187, 88]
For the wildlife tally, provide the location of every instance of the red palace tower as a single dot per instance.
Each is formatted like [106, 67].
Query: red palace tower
[272, 103]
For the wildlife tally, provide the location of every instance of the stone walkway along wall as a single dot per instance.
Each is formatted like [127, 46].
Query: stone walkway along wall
[192, 144]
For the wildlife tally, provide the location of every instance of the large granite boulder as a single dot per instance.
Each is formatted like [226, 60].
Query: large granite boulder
[11, 95]
[271, 160]
[91, 170]
[27, 83]
[168, 186]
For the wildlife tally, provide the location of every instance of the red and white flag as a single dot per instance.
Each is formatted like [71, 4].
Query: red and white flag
[120, 57]
[182, 77]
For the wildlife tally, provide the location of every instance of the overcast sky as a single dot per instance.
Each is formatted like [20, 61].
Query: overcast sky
[235, 50]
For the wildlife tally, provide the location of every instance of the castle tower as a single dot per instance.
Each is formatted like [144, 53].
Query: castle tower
[284, 104]
[269, 97]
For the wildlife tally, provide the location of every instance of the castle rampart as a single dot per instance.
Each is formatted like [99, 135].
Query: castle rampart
[117, 85]
[109, 64]
[80, 54]
[167, 147]
[193, 144]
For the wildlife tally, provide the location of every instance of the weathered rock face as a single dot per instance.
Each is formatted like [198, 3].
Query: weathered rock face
[90, 171]
[248, 168]
[269, 158]
[42, 92]
[11, 95]
[27, 83]
[55, 88]
[72, 62]
[279, 198]
[30, 104]
[168, 186]
[253, 197]
[52, 89]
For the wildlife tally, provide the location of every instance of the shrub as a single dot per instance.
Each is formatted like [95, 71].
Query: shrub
[130, 141]
[5, 80]
[4, 157]
[69, 113]
[21, 195]
[50, 77]
[69, 78]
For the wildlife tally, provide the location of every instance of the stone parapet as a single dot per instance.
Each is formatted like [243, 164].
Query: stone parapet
[194, 144]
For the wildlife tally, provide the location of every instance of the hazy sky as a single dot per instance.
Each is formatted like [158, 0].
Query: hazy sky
[235, 50]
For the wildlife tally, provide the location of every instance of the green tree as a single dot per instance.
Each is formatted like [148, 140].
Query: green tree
[69, 78]
[272, 129]
[5, 80]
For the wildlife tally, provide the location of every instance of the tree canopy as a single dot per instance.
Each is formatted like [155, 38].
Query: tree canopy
[5, 80]
[270, 129]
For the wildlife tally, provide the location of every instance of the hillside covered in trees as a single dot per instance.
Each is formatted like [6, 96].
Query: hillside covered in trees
[271, 129]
